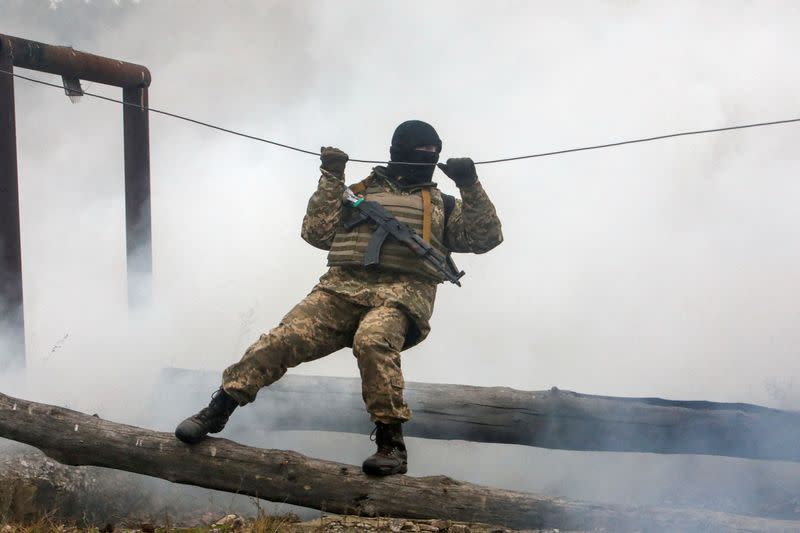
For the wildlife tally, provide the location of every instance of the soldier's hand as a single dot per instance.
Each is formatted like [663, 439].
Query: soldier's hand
[461, 170]
[333, 160]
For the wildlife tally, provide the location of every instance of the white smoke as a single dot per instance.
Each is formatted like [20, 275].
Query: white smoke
[664, 269]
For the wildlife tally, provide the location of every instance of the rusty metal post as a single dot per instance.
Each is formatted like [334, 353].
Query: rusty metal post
[11, 313]
[137, 195]
[65, 61]
[134, 80]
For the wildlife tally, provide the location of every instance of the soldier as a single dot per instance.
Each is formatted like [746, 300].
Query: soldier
[378, 311]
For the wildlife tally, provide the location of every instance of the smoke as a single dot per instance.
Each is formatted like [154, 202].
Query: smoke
[665, 269]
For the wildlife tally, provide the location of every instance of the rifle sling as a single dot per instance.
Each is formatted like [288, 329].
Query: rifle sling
[426, 214]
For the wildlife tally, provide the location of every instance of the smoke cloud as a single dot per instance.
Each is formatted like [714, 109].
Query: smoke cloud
[663, 269]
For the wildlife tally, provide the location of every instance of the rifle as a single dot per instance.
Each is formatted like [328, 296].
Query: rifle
[387, 225]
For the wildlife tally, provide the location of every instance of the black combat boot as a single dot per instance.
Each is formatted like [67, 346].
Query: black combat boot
[210, 419]
[391, 457]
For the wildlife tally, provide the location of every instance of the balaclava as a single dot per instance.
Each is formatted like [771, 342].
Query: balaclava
[409, 135]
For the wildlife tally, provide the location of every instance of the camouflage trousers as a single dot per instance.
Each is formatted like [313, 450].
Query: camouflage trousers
[319, 325]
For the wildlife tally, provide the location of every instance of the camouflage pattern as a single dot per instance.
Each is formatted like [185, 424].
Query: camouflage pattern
[407, 206]
[377, 312]
[376, 288]
[473, 227]
[319, 325]
[324, 211]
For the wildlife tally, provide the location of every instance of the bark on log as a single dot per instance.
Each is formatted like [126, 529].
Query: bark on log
[548, 419]
[74, 438]
[35, 487]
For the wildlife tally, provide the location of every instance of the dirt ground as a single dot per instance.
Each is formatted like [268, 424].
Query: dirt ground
[278, 524]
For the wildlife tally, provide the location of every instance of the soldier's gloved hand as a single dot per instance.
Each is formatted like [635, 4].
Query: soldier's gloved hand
[333, 160]
[461, 170]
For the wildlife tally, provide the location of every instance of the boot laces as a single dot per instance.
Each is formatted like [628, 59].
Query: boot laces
[215, 410]
[387, 449]
[208, 414]
[383, 438]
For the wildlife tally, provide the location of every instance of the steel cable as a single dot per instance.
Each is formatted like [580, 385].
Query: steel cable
[355, 160]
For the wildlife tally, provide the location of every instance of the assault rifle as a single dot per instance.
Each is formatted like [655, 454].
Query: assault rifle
[387, 224]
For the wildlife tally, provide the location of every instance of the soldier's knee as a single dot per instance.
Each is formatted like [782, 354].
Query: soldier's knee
[377, 345]
[276, 347]
[366, 344]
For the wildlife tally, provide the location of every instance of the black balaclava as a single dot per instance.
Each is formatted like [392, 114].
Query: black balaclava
[409, 135]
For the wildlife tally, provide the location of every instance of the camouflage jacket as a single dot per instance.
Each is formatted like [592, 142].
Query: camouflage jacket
[473, 226]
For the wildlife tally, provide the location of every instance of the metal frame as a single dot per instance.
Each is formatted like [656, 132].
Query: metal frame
[134, 81]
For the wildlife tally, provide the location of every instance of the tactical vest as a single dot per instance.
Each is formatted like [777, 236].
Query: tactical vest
[422, 210]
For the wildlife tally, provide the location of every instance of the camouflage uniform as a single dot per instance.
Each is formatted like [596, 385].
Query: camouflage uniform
[376, 312]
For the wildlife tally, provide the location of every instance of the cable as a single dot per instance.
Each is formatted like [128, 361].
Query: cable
[487, 162]
[167, 113]
[642, 140]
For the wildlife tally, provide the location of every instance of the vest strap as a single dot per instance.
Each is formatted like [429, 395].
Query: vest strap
[426, 214]
[359, 187]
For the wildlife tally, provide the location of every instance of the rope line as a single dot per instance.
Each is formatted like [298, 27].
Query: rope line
[486, 162]
[167, 113]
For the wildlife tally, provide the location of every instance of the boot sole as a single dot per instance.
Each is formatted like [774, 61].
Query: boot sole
[385, 471]
[189, 436]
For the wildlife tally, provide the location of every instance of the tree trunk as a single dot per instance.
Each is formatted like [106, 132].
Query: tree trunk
[547, 419]
[77, 439]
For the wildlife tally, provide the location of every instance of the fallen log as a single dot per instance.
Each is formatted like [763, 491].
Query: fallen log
[34, 487]
[554, 418]
[74, 438]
